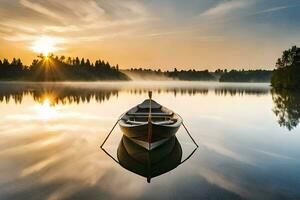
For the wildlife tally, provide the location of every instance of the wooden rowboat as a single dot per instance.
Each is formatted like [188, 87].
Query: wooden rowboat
[150, 124]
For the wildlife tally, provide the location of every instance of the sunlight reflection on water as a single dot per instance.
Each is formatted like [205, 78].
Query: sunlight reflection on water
[51, 133]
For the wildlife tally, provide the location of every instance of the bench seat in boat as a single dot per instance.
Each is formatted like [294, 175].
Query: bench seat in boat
[152, 114]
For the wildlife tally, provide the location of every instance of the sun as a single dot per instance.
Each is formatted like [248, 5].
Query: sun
[45, 45]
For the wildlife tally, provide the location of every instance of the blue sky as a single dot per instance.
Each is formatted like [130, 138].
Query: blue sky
[154, 33]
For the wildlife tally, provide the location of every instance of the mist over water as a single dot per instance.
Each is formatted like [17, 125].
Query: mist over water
[248, 140]
[146, 76]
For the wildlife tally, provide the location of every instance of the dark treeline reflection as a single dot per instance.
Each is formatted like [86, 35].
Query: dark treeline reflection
[240, 91]
[287, 107]
[57, 93]
[175, 91]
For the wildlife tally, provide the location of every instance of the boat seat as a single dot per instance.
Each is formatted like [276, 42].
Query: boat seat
[152, 114]
[164, 122]
[136, 122]
[157, 123]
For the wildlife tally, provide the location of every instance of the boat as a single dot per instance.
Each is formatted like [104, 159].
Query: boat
[150, 124]
[149, 164]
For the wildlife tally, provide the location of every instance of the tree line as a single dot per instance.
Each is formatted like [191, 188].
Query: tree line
[246, 76]
[204, 75]
[54, 68]
[287, 74]
[192, 74]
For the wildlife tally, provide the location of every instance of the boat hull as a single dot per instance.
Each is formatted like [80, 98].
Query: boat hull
[140, 134]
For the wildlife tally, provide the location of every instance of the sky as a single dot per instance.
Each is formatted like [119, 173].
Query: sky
[158, 34]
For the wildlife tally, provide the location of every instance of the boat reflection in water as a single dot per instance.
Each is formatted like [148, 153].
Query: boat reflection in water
[149, 164]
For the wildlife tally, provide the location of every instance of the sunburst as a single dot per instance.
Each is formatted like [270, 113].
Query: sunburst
[45, 45]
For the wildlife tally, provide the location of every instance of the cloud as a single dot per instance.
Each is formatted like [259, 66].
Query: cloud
[40, 9]
[274, 9]
[222, 150]
[224, 8]
[77, 21]
[221, 180]
[275, 155]
[19, 37]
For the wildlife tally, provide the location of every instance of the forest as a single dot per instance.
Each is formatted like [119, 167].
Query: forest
[54, 68]
[246, 76]
[183, 75]
[218, 75]
[287, 73]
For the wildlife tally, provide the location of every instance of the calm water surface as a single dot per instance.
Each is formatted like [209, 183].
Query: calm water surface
[248, 138]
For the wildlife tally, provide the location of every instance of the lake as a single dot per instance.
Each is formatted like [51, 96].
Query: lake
[248, 137]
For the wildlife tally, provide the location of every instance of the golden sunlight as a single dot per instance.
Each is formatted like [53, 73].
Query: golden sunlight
[45, 45]
[45, 111]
